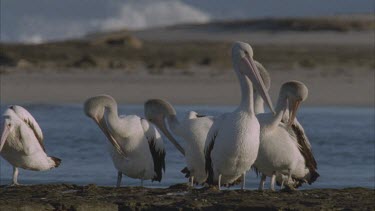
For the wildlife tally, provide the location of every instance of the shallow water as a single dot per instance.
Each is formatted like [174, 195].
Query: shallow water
[342, 140]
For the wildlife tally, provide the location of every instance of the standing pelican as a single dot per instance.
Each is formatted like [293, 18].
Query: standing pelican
[258, 100]
[192, 129]
[21, 143]
[138, 149]
[233, 140]
[284, 149]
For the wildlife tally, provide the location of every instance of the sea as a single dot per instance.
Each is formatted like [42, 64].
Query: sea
[35, 22]
[342, 139]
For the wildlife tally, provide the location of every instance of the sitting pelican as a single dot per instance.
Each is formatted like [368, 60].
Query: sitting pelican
[284, 149]
[21, 143]
[233, 140]
[138, 149]
[192, 129]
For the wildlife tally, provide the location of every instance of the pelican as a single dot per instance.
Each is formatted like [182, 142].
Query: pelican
[21, 143]
[232, 143]
[284, 150]
[192, 129]
[137, 149]
[258, 100]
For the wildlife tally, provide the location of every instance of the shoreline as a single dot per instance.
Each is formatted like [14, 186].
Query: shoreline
[178, 197]
[343, 90]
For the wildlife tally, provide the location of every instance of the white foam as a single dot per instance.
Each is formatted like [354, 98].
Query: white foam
[32, 39]
[142, 14]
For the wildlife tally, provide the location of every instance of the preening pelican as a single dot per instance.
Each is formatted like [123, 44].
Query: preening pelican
[21, 143]
[137, 148]
[192, 129]
[284, 149]
[233, 140]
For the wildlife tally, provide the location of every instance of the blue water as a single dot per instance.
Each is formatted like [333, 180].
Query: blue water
[342, 140]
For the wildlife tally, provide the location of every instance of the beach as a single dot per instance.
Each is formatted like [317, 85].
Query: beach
[189, 65]
[325, 89]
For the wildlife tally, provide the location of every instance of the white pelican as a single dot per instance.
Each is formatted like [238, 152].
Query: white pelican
[233, 140]
[21, 143]
[284, 149]
[192, 129]
[138, 149]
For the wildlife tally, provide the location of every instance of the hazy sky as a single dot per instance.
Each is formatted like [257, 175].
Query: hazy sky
[38, 20]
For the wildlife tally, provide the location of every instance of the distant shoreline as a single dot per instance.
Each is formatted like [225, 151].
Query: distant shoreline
[191, 64]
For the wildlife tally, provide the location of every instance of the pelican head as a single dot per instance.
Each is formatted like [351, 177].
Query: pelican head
[244, 64]
[94, 108]
[295, 93]
[156, 110]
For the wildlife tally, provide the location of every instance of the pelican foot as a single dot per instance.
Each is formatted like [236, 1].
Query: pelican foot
[15, 185]
[211, 188]
[288, 188]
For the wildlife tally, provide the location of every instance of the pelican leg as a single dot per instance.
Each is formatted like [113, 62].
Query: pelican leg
[142, 182]
[119, 178]
[262, 181]
[290, 187]
[273, 179]
[192, 181]
[219, 181]
[289, 176]
[243, 181]
[282, 184]
[15, 177]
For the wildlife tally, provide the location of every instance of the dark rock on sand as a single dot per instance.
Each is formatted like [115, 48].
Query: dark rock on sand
[179, 197]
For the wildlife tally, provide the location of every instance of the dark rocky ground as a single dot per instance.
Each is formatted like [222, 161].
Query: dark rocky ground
[179, 197]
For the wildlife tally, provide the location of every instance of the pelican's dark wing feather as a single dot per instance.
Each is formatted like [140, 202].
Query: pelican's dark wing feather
[158, 157]
[208, 165]
[304, 147]
[156, 145]
[306, 151]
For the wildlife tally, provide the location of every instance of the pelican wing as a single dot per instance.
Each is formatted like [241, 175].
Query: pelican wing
[23, 114]
[156, 145]
[208, 149]
[194, 115]
[300, 128]
[192, 120]
[305, 149]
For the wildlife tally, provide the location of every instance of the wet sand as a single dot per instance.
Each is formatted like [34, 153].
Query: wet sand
[179, 197]
[325, 88]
